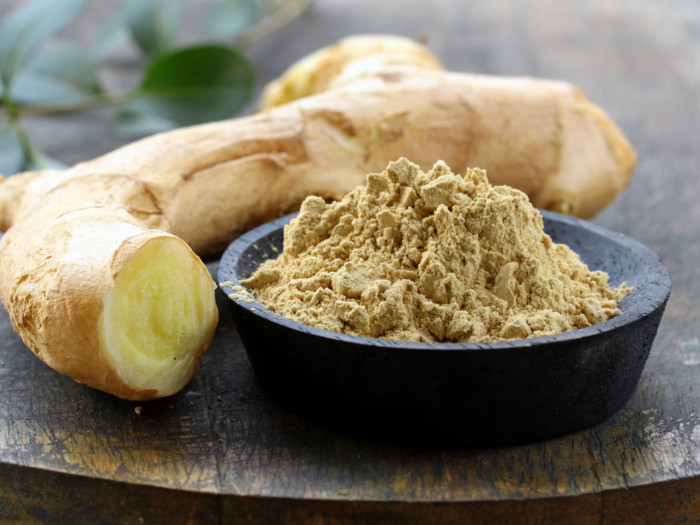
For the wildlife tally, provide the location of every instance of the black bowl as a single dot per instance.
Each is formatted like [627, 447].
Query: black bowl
[463, 394]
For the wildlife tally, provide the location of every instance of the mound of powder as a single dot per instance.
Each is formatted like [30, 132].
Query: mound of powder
[431, 257]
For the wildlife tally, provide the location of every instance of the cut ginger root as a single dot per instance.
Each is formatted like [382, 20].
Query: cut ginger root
[98, 268]
[100, 293]
[150, 327]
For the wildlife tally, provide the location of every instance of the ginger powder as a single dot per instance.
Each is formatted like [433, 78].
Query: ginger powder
[431, 257]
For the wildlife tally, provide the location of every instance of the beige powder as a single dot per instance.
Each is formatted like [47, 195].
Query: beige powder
[431, 257]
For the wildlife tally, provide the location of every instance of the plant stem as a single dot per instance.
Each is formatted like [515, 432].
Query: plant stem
[271, 22]
[100, 101]
[8, 102]
[30, 153]
[13, 120]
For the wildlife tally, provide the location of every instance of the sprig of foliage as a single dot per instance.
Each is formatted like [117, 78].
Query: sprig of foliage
[40, 74]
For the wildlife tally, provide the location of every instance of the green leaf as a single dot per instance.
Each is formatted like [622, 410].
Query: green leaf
[230, 18]
[111, 36]
[137, 119]
[16, 157]
[25, 30]
[271, 5]
[12, 158]
[153, 23]
[61, 72]
[197, 84]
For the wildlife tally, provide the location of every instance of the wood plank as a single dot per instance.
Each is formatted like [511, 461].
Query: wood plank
[30, 496]
[37, 496]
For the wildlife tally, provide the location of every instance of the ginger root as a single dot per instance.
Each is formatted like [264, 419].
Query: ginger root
[95, 268]
[100, 293]
[507, 120]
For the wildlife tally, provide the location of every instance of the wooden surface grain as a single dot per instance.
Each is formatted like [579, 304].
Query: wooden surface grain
[220, 450]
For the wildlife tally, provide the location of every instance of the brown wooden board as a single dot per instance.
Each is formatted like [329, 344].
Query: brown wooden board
[220, 450]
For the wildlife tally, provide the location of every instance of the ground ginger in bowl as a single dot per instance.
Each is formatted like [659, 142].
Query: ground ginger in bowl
[431, 257]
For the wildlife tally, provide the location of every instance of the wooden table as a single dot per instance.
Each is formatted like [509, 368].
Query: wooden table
[220, 451]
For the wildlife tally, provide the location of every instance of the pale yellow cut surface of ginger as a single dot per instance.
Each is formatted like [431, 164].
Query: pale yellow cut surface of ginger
[98, 268]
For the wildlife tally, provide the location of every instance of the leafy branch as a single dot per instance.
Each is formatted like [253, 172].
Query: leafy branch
[44, 75]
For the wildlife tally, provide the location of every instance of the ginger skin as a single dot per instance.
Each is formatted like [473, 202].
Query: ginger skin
[70, 234]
